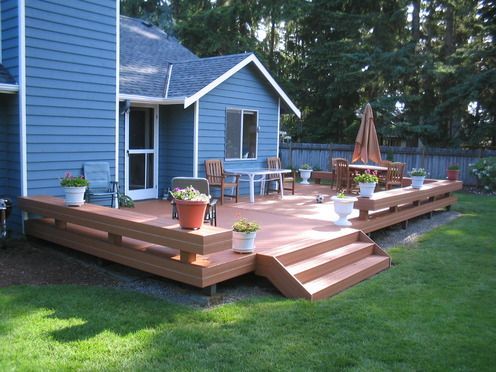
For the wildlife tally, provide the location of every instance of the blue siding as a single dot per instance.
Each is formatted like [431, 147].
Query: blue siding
[10, 174]
[70, 88]
[247, 89]
[175, 144]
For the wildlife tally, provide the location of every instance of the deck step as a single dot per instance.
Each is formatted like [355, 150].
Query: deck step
[304, 249]
[322, 264]
[336, 281]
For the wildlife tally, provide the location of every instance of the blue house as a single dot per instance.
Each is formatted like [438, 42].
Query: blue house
[79, 82]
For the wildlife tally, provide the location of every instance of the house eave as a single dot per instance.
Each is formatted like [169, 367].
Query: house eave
[151, 100]
[9, 88]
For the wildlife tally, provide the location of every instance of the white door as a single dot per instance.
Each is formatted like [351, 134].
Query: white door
[141, 163]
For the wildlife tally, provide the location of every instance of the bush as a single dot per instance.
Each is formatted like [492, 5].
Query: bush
[485, 171]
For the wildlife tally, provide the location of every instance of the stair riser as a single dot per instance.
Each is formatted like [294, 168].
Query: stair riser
[335, 264]
[313, 250]
[350, 281]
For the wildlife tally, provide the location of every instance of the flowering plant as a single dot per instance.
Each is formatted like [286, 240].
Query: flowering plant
[306, 166]
[245, 226]
[367, 177]
[485, 171]
[71, 181]
[418, 172]
[189, 193]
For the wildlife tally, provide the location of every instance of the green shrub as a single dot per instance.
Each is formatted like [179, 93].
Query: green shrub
[485, 171]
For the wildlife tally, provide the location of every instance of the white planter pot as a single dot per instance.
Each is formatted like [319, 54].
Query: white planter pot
[74, 196]
[343, 208]
[243, 242]
[305, 175]
[366, 189]
[417, 181]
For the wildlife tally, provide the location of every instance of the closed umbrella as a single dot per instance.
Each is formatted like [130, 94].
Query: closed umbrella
[366, 143]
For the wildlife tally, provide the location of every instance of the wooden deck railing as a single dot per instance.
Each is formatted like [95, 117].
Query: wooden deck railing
[386, 208]
[145, 242]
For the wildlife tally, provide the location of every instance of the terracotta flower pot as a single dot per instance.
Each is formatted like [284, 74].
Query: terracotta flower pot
[191, 213]
[453, 174]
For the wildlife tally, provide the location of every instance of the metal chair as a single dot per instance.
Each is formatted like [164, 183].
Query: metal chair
[101, 188]
[201, 184]
[214, 172]
[394, 175]
[275, 163]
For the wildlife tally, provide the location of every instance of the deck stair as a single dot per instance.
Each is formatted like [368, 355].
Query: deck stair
[319, 268]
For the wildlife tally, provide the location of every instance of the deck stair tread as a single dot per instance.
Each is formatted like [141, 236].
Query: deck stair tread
[347, 275]
[329, 260]
[307, 248]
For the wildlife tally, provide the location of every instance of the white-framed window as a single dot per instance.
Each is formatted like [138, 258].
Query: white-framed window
[241, 134]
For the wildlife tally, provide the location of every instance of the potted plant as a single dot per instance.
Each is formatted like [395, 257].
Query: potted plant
[191, 206]
[418, 177]
[343, 206]
[366, 181]
[453, 172]
[74, 189]
[244, 234]
[305, 173]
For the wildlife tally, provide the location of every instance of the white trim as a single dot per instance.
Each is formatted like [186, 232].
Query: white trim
[169, 77]
[117, 78]
[9, 88]
[151, 100]
[251, 58]
[278, 125]
[196, 138]
[126, 149]
[22, 96]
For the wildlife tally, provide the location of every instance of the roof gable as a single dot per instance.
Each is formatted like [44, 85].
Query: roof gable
[156, 67]
[187, 78]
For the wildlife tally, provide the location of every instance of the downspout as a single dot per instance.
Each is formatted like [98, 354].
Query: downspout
[22, 96]
[117, 91]
[195, 138]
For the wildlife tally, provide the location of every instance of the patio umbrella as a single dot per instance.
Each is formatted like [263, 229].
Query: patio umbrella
[366, 143]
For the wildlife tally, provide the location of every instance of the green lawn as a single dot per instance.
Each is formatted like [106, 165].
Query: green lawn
[435, 309]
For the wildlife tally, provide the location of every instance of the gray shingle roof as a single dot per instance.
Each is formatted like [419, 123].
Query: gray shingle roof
[145, 55]
[5, 77]
[189, 77]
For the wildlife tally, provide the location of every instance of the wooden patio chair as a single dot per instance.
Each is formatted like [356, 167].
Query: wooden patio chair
[214, 172]
[343, 176]
[201, 184]
[394, 176]
[332, 168]
[101, 189]
[289, 180]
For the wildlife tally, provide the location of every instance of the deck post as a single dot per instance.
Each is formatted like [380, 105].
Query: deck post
[187, 257]
[364, 215]
[61, 224]
[115, 239]
[211, 290]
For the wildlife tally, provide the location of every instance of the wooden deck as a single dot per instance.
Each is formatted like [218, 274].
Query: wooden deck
[299, 248]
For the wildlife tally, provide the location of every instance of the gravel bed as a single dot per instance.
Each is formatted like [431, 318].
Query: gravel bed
[36, 262]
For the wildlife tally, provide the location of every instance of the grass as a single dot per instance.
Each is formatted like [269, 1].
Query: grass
[433, 310]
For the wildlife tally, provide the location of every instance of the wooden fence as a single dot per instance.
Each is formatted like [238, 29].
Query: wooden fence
[434, 160]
